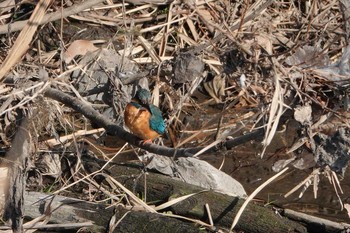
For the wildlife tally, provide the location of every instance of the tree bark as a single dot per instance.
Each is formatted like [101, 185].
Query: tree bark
[160, 188]
[17, 158]
[65, 212]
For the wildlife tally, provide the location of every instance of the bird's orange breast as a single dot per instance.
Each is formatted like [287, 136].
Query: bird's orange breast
[137, 120]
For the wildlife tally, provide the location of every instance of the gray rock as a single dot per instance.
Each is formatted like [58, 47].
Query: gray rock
[197, 172]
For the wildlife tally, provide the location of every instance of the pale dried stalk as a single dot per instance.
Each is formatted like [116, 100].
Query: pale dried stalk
[23, 40]
[54, 142]
[146, 60]
[315, 172]
[28, 99]
[143, 7]
[106, 7]
[187, 39]
[91, 174]
[93, 20]
[251, 196]
[176, 200]
[149, 48]
[276, 110]
[193, 30]
[162, 25]
[76, 8]
[131, 51]
[133, 196]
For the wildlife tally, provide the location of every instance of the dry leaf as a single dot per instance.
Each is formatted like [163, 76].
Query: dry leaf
[303, 114]
[206, 18]
[187, 67]
[78, 47]
[347, 207]
[258, 89]
[265, 42]
[216, 88]
[282, 163]
[308, 56]
[205, 14]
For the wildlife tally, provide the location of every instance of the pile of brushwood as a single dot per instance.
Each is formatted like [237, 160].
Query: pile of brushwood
[223, 73]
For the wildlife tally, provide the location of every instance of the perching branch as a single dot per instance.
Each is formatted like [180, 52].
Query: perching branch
[115, 130]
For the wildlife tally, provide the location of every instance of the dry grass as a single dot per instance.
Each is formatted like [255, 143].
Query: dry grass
[261, 59]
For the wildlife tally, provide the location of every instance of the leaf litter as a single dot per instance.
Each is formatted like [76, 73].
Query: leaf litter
[266, 60]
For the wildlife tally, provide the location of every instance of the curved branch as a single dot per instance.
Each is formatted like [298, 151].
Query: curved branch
[115, 130]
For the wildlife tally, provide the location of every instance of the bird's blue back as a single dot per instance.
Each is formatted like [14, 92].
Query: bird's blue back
[156, 121]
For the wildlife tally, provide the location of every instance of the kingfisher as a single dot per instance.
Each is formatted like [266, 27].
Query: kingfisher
[144, 119]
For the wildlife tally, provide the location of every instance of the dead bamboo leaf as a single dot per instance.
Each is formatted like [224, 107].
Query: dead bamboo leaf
[175, 201]
[193, 29]
[21, 45]
[149, 48]
[54, 141]
[265, 42]
[275, 113]
[216, 88]
[347, 207]
[206, 18]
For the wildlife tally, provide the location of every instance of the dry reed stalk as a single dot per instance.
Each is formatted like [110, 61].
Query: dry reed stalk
[275, 113]
[76, 8]
[23, 40]
[55, 142]
[91, 174]
[149, 48]
[251, 196]
[176, 200]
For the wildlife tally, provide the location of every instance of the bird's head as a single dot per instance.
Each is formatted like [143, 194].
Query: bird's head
[143, 96]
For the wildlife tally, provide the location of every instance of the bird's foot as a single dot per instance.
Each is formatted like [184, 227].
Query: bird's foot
[146, 141]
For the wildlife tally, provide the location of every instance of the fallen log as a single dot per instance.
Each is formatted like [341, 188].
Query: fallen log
[160, 188]
[71, 213]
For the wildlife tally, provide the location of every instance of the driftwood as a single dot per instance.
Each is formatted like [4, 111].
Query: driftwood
[71, 213]
[316, 224]
[223, 208]
[17, 159]
[66, 213]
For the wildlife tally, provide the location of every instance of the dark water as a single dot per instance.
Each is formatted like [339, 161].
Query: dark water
[245, 165]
